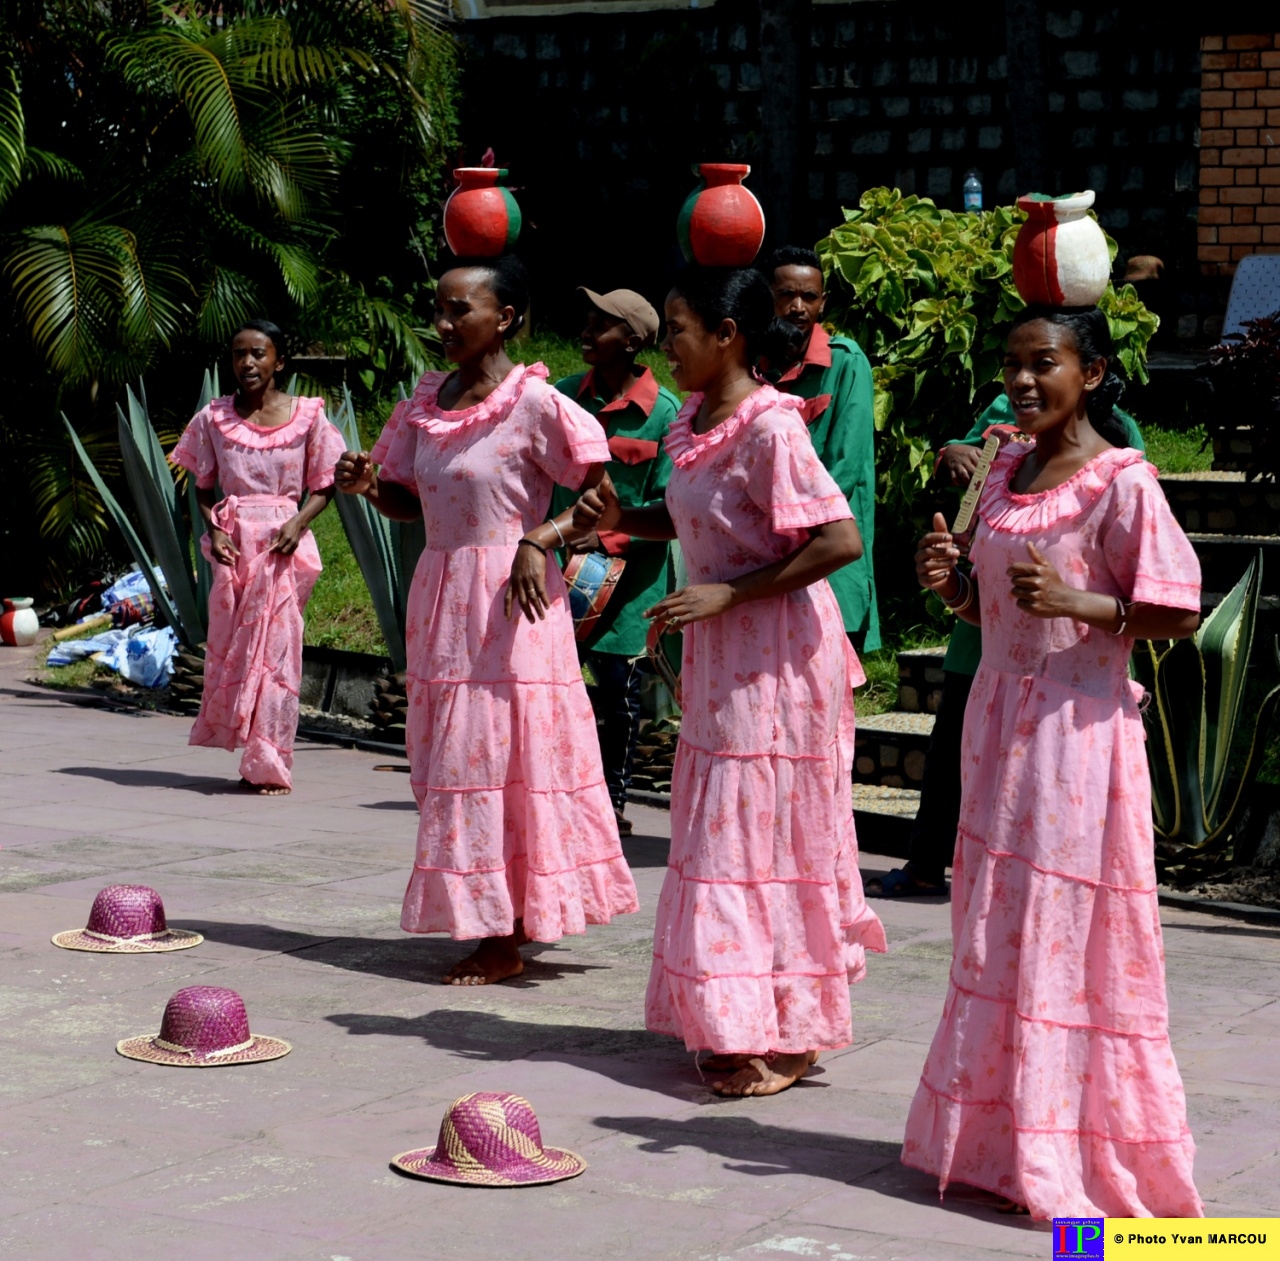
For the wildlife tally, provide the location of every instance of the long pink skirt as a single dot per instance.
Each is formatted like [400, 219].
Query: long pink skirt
[253, 658]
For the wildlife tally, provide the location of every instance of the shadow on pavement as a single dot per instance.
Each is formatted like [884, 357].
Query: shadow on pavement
[631, 1057]
[207, 785]
[768, 1150]
[422, 959]
[764, 1150]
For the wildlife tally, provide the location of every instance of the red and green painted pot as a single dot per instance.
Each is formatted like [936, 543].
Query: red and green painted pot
[721, 223]
[481, 218]
[1060, 256]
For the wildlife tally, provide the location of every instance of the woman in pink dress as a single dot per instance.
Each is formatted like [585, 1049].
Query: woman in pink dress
[517, 839]
[265, 449]
[1051, 1081]
[761, 924]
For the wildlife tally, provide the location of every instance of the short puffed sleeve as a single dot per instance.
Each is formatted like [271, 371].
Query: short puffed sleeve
[396, 450]
[1146, 551]
[325, 446]
[785, 478]
[380, 448]
[195, 451]
[567, 441]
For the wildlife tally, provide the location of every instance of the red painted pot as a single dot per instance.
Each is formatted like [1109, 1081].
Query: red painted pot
[1060, 255]
[19, 625]
[481, 218]
[721, 223]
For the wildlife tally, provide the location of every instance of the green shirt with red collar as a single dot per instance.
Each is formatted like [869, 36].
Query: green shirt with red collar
[834, 379]
[635, 425]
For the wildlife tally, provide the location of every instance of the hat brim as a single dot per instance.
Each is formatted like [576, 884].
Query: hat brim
[144, 1048]
[561, 1164]
[174, 939]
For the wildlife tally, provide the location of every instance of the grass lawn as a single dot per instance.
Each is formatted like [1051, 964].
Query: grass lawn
[1177, 450]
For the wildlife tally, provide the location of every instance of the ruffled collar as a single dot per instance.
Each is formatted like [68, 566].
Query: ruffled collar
[684, 446]
[234, 428]
[425, 412]
[1004, 508]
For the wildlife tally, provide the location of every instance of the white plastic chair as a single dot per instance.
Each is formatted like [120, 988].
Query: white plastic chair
[1255, 291]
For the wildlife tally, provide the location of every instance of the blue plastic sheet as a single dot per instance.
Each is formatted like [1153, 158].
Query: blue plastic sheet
[141, 654]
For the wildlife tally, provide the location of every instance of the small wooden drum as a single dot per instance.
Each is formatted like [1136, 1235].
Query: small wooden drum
[592, 578]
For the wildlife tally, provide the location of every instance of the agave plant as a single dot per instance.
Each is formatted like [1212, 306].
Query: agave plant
[385, 550]
[1196, 730]
[179, 575]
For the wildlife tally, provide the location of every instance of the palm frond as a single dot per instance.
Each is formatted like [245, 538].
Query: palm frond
[40, 162]
[13, 131]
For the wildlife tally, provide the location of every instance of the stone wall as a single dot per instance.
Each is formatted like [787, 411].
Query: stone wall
[600, 116]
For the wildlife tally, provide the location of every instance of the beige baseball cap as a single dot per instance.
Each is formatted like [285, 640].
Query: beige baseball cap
[626, 304]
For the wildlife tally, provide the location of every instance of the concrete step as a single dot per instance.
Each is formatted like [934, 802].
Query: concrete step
[1222, 503]
[920, 679]
[883, 817]
[1225, 557]
[889, 749]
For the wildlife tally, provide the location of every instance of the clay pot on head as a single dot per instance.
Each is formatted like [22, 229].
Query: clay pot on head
[19, 625]
[721, 223]
[481, 218]
[1060, 256]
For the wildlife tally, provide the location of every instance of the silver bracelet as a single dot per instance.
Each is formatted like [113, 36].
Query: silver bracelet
[964, 597]
[556, 527]
[1122, 612]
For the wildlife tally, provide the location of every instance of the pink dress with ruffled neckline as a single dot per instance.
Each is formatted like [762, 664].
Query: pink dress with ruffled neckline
[253, 658]
[516, 821]
[761, 925]
[1051, 1079]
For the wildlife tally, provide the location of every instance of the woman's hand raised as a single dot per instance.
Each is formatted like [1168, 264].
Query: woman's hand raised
[598, 509]
[353, 474]
[936, 556]
[1038, 587]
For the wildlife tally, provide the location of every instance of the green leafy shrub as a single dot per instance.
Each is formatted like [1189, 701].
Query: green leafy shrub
[928, 294]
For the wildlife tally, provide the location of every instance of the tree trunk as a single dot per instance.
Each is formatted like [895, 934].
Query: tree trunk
[1024, 43]
[784, 38]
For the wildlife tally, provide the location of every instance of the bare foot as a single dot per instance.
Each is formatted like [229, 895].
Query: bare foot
[494, 959]
[761, 1076]
[724, 1063]
[1011, 1207]
[265, 790]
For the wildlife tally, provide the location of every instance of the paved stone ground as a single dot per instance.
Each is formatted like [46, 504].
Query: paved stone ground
[105, 1158]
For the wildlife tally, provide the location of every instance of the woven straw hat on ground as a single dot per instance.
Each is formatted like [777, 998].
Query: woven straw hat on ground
[490, 1140]
[204, 1026]
[127, 919]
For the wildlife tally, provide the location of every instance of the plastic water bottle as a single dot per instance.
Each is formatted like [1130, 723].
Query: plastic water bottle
[972, 191]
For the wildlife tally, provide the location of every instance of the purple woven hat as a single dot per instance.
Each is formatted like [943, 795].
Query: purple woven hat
[204, 1026]
[127, 919]
[490, 1140]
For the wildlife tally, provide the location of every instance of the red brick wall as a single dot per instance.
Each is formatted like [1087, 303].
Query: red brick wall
[1239, 149]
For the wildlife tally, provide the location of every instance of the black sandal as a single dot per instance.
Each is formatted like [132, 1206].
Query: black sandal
[900, 883]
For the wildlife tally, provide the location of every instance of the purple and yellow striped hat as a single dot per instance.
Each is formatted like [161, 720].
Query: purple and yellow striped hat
[489, 1139]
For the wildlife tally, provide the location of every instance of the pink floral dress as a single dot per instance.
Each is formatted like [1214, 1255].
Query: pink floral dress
[253, 659]
[761, 925]
[1051, 1079]
[516, 821]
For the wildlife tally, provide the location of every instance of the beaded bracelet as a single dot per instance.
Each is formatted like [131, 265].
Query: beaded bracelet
[531, 543]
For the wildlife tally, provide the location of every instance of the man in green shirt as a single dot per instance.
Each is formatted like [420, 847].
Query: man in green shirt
[636, 413]
[933, 836]
[833, 377]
